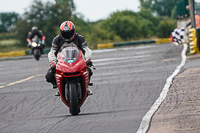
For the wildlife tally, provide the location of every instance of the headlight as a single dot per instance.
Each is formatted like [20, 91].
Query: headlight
[34, 44]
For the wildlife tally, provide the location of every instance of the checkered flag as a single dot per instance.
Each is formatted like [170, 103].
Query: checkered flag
[178, 36]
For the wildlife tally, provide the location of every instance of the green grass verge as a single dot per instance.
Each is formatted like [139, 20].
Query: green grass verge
[10, 45]
[9, 42]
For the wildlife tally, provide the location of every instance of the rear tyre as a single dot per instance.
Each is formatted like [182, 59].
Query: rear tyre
[73, 99]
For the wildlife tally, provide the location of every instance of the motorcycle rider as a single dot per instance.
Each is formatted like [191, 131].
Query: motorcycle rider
[33, 33]
[67, 35]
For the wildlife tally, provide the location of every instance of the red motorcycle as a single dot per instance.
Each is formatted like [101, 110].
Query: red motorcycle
[72, 77]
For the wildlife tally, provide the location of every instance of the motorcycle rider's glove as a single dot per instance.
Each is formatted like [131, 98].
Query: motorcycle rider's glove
[89, 62]
[53, 65]
[42, 43]
[29, 44]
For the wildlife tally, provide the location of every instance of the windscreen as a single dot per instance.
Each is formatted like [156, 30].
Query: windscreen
[35, 39]
[70, 54]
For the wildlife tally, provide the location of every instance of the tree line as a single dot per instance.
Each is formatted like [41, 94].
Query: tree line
[154, 20]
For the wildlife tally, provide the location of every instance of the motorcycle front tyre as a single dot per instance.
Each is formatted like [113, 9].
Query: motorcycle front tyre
[37, 54]
[73, 99]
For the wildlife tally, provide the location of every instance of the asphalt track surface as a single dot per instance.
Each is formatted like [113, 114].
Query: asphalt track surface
[126, 84]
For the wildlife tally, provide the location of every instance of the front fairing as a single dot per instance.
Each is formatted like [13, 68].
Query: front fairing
[65, 65]
[72, 65]
[36, 42]
[35, 45]
[36, 39]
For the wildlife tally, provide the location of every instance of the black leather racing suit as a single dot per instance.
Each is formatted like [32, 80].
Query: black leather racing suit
[32, 34]
[39, 33]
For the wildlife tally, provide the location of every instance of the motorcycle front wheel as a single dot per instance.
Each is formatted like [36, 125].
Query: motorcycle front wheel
[74, 99]
[37, 54]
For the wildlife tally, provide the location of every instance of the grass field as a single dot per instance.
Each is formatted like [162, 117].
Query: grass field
[8, 42]
[10, 45]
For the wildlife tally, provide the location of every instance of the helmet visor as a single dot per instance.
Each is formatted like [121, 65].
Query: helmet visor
[68, 34]
[35, 31]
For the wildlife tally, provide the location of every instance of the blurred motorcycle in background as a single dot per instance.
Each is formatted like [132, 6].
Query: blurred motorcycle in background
[36, 47]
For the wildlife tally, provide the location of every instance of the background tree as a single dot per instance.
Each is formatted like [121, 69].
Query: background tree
[46, 16]
[123, 24]
[165, 27]
[7, 21]
[129, 25]
[159, 7]
[119, 26]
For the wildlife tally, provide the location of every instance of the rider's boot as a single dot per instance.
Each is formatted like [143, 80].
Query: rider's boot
[54, 86]
[57, 93]
[90, 84]
[89, 92]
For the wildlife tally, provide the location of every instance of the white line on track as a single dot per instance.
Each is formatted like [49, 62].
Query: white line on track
[122, 58]
[144, 126]
[120, 49]
[104, 50]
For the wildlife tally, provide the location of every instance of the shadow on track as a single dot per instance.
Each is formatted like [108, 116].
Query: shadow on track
[86, 114]
[105, 112]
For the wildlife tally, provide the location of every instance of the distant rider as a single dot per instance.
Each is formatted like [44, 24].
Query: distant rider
[67, 35]
[33, 33]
